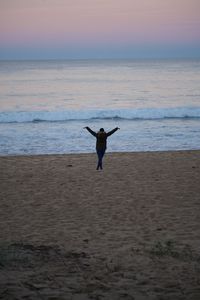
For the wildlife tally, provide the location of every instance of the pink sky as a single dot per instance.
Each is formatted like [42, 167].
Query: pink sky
[86, 23]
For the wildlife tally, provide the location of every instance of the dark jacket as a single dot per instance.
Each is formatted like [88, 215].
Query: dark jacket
[101, 137]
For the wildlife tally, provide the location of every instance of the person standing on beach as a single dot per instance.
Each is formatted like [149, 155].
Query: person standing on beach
[101, 143]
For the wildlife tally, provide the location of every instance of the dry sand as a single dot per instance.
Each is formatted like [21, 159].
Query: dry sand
[131, 231]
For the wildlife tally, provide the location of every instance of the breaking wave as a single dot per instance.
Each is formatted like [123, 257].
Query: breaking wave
[126, 114]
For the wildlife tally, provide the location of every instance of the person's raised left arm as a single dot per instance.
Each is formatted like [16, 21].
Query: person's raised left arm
[112, 131]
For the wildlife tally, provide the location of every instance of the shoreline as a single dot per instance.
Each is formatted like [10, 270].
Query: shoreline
[129, 231]
[94, 152]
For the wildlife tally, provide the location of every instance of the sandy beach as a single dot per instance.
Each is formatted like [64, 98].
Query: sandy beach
[131, 231]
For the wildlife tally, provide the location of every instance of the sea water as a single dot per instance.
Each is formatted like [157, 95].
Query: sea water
[44, 105]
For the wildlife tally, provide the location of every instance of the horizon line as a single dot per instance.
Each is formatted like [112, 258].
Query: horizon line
[100, 58]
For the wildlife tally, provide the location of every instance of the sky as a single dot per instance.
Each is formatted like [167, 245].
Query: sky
[76, 29]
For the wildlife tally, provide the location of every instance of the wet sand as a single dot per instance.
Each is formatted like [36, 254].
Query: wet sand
[131, 231]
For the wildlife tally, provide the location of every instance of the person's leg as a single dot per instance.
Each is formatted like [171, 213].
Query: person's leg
[100, 154]
[99, 159]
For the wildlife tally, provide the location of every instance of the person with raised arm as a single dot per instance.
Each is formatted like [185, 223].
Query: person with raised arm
[101, 143]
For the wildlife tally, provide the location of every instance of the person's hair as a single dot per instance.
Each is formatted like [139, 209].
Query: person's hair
[101, 129]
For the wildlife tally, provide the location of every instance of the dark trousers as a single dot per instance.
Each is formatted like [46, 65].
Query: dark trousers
[100, 154]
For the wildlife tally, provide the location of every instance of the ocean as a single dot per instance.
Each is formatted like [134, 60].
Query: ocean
[44, 105]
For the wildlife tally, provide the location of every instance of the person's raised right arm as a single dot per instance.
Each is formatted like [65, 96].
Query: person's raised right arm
[91, 131]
